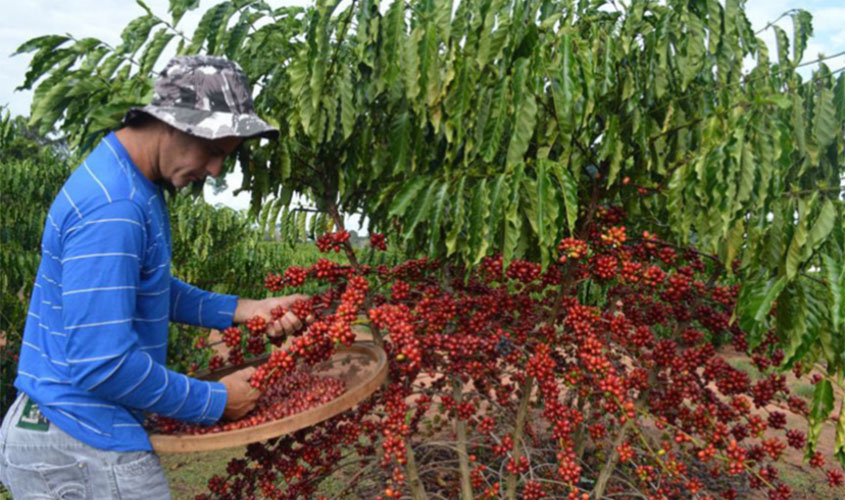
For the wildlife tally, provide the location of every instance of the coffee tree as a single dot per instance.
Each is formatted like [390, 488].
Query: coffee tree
[524, 147]
[31, 173]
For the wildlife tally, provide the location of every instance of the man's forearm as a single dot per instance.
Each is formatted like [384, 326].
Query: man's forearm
[194, 306]
[245, 310]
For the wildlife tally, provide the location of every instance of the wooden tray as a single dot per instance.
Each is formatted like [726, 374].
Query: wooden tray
[345, 364]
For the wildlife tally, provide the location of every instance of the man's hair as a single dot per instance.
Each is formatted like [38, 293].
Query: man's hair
[139, 119]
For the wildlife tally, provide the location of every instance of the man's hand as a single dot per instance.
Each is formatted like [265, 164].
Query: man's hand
[241, 397]
[287, 324]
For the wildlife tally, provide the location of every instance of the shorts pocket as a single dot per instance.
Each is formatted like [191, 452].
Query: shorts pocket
[141, 477]
[43, 481]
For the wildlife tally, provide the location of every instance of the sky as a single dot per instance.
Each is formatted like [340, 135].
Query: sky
[105, 19]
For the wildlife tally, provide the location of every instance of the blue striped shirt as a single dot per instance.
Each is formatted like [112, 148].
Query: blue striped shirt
[95, 340]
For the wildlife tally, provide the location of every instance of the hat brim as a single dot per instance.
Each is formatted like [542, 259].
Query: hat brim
[209, 124]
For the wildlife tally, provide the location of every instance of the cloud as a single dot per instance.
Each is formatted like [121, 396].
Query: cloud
[82, 18]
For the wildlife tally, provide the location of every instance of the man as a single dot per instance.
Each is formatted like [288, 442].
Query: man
[95, 341]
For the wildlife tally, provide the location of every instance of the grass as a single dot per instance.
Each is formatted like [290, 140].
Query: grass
[805, 390]
[188, 473]
[805, 484]
[747, 367]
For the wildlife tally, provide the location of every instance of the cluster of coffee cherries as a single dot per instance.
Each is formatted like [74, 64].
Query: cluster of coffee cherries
[378, 241]
[319, 339]
[617, 336]
[293, 276]
[332, 241]
[572, 248]
[295, 393]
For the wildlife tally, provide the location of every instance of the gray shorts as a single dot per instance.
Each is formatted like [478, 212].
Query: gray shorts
[39, 461]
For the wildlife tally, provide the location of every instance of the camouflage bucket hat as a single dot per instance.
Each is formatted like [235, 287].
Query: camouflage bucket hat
[207, 97]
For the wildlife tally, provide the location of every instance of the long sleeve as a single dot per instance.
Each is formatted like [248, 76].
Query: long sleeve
[101, 261]
[197, 307]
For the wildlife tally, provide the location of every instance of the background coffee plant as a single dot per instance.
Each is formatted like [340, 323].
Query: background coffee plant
[31, 173]
[466, 130]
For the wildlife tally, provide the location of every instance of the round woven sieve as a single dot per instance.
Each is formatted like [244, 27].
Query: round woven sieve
[362, 366]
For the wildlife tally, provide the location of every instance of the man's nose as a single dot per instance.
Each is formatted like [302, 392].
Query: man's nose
[215, 167]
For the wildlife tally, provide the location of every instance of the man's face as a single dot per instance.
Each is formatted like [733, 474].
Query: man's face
[186, 159]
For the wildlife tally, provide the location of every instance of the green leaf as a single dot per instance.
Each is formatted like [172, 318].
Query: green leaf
[747, 174]
[733, 243]
[714, 23]
[283, 162]
[547, 211]
[795, 252]
[46, 43]
[839, 442]
[179, 7]
[839, 97]
[135, 33]
[154, 49]
[411, 64]
[273, 217]
[400, 144]
[542, 202]
[236, 37]
[457, 218]
[479, 239]
[754, 304]
[820, 410]
[443, 19]
[301, 221]
[437, 217]
[491, 44]
[420, 211]
[563, 88]
[495, 126]
[457, 101]
[217, 29]
[523, 130]
[513, 221]
[825, 126]
[569, 189]
[612, 149]
[263, 214]
[429, 64]
[347, 103]
[802, 30]
[48, 56]
[783, 47]
[791, 323]
[394, 42]
[821, 227]
[823, 401]
[498, 203]
[834, 273]
[406, 196]
[799, 125]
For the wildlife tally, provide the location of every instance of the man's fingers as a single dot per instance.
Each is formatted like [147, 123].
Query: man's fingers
[244, 374]
[294, 320]
[285, 325]
[288, 324]
[275, 328]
